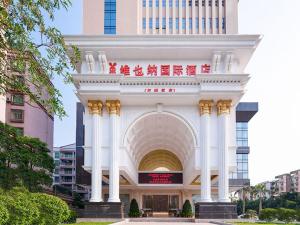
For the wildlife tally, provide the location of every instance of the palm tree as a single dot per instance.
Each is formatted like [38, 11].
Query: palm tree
[261, 192]
[243, 194]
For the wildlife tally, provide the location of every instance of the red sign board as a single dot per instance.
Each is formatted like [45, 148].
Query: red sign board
[160, 178]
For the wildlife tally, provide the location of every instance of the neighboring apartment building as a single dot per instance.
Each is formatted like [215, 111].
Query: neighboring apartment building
[285, 183]
[65, 166]
[29, 118]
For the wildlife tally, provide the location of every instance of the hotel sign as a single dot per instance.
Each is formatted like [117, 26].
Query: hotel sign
[158, 70]
[160, 178]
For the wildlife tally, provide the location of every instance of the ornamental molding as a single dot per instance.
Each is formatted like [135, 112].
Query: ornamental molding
[205, 106]
[99, 41]
[113, 107]
[95, 107]
[223, 106]
[229, 79]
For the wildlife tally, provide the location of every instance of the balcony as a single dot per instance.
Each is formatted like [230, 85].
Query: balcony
[67, 165]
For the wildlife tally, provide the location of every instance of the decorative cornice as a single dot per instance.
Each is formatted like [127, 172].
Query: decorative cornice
[223, 106]
[95, 107]
[113, 107]
[205, 106]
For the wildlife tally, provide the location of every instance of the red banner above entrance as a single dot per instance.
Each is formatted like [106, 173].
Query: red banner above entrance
[160, 178]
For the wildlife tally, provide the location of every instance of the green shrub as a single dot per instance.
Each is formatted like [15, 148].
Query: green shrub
[298, 215]
[53, 210]
[187, 209]
[72, 217]
[4, 215]
[268, 214]
[286, 215]
[134, 209]
[22, 211]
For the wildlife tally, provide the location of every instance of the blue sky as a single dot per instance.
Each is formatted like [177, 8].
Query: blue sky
[274, 132]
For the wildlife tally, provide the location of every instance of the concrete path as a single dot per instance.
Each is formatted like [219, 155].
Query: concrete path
[162, 223]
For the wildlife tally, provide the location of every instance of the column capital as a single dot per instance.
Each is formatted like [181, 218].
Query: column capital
[223, 106]
[205, 106]
[113, 107]
[95, 106]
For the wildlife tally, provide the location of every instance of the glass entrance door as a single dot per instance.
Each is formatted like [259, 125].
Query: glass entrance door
[160, 203]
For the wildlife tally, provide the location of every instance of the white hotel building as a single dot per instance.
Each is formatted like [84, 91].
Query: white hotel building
[160, 81]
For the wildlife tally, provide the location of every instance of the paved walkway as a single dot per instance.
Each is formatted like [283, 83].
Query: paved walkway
[164, 223]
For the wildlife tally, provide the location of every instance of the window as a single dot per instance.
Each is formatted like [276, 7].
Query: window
[164, 23]
[223, 23]
[191, 23]
[203, 23]
[197, 23]
[56, 162]
[56, 179]
[217, 3]
[17, 99]
[210, 23]
[177, 23]
[217, 23]
[242, 134]
[110, 17]
[183, 3]
[17, 115]
[150, 23]
[20, 131]
[157, 3]
[210, 3]
[223, 3]
[242, 167]
[56, 155]
[177, 3]
[171, 23]
[157, 23]
[183, 24]
[203, 3]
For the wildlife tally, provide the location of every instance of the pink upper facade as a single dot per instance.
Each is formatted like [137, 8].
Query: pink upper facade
[134, 17]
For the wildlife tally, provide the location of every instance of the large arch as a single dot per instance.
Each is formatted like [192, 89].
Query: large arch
[160, 130]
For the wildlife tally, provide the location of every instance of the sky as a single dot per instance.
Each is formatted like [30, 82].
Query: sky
[274, 134]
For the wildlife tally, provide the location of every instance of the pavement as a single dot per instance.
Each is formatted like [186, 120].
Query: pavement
[163, 223]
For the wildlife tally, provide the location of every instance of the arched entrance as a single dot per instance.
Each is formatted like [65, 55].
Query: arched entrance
[162, 145]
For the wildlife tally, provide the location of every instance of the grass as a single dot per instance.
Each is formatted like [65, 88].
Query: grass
[92, 223]
[263, 223]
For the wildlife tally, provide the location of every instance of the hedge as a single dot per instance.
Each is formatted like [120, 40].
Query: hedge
[20, 207]
[281, 214]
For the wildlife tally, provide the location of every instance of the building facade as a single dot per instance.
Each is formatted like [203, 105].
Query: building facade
[29, 118]
[65, 166]
[159, 83]
[284, 183]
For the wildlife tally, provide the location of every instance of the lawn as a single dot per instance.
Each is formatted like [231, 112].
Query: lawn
[92, 223]
[263, 223]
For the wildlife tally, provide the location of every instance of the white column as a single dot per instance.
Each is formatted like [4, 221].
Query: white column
[113, 107]
[223, 107]
[205, 112]
[95, 108]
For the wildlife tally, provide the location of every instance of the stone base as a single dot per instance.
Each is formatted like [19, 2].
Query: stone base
[102, 210]
[215, 210]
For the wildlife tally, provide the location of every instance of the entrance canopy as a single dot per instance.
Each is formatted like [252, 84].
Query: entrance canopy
[160, 131]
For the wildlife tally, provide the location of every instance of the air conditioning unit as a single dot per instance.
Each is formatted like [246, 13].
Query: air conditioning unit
[8, 100]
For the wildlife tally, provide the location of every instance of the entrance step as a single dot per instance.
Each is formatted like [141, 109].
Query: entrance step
[163, 219]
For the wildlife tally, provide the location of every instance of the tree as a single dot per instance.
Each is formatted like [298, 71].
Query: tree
[28, 42]
[187, 209]
[243, 193]
[260, 193]
[134, 209]
[23, 161]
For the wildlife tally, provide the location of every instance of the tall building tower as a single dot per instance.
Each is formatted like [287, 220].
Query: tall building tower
[159, 81]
